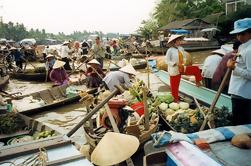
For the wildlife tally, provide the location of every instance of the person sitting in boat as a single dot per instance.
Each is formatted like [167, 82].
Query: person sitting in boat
[122, 76]
[179, 63]
[58, 74]
[222, 68]
[209, 67]
[50, 60]
[94, 74]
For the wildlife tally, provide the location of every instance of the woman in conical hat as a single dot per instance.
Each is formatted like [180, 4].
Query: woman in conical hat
[58, 74]
[122, 76]
[94, 74]
[179, 63]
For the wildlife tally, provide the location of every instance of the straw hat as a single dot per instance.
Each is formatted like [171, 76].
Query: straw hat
[173, 37]
[94, 61]
[66, 42]
[128, 69]
[58, 64]
[220, 51]
[13, 48]
[114, 148]
[49, 56]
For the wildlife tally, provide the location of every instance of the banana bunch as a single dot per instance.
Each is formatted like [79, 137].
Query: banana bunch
[44, 134]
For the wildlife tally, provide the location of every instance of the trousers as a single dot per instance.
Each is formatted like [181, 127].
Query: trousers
[175, 80]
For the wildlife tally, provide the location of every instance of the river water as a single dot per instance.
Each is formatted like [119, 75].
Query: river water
[66, 117]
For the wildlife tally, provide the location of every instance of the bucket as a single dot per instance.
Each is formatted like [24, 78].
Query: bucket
[138, 107]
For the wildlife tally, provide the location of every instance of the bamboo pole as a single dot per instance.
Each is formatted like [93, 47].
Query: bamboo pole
[96, 109]
[146, 113]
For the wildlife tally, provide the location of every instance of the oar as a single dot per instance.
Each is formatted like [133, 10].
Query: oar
[28, 62]
[96, 109]
[222, 85]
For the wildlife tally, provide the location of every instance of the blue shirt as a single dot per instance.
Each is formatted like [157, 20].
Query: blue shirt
[240, 82]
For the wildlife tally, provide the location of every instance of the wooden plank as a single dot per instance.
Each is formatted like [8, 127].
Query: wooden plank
[64, 160]
[12, 150]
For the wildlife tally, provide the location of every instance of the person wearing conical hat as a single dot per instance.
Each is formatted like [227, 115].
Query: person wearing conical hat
[94, 74]
[240, 81]
[58, 74]
[209, 67]
[50, 60]
[122, 76]
[179, 63]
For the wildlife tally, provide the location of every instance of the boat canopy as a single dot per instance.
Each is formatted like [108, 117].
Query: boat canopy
[209, 29]
[28, 41]
[180, 31]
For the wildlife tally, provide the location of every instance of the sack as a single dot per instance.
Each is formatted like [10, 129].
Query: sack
[161, 63]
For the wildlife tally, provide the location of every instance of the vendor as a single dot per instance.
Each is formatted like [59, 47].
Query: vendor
[58, 74]
[179, 63]
[94, 74]
[50, 60]
[120, 77]
[18, 57]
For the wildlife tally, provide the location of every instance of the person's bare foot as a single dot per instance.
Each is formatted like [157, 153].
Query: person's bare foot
[198, 84]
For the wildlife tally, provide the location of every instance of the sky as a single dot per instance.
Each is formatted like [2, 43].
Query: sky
[117, 16]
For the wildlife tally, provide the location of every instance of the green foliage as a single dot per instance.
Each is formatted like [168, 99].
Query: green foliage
[149, 28]
[226, 23]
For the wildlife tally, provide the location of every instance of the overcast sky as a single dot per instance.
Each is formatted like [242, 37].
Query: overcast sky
[123, 16]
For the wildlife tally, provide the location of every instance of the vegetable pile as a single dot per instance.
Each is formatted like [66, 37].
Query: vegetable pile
[186, 120]
[10, 123]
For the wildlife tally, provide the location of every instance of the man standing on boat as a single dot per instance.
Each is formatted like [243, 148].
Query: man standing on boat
[65, 54]
[240, 81]
[98, 51]
[209, 67]
[222, 68]
[179, 63]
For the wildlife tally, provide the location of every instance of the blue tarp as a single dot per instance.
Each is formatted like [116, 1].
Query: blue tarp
[180, 31]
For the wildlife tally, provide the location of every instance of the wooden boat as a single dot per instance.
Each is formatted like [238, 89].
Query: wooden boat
[140, 65]
[222, 152]
[50, 98]
[32, 75]
[204, 95]
[4, 81]
[53, 146]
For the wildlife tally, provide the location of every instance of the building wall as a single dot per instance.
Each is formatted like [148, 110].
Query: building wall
[235, 5]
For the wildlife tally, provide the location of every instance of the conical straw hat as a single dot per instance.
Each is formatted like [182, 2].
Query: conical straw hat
[219, 51]
[50, 55]
[114, 148]
[94, 61]
[128, 69]
[58, 64]
[173, 37]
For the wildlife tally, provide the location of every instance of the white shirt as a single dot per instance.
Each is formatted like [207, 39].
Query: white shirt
[240, 82]
[65, 51]
[116, 78]
[210, 65]
[172, 60]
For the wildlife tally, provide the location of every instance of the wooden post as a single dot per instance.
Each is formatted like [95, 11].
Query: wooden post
[222, 85]
[146, 113]
[90, 120]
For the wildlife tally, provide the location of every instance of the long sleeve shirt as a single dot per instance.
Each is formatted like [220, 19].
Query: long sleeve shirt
[116, 78]
[240, 82]
[98, 50]
[172, 60]
[210, 65]
[222, 69]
